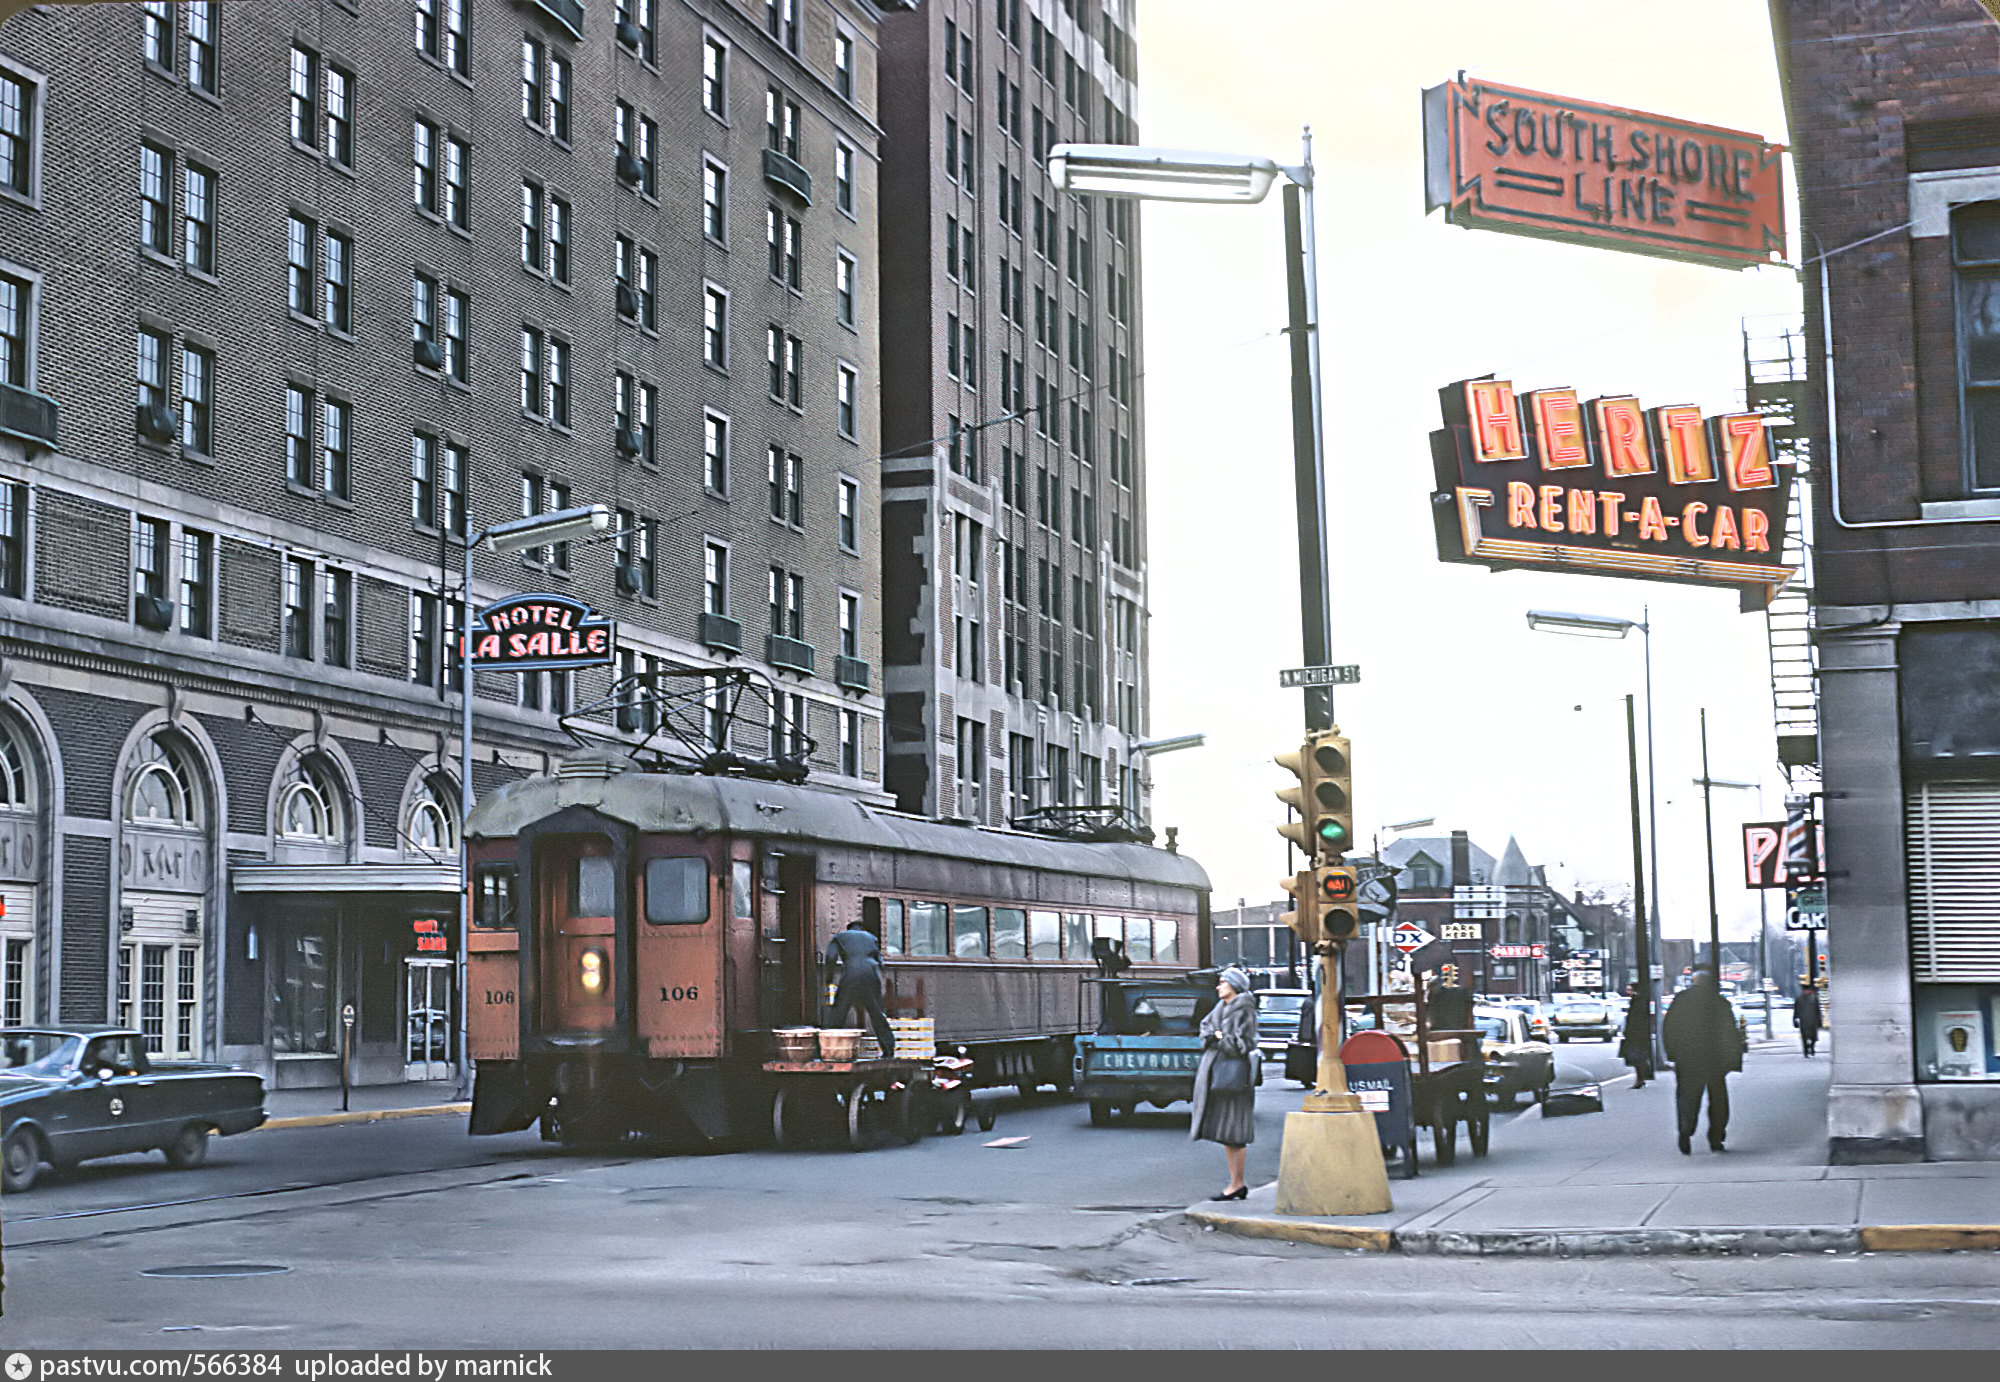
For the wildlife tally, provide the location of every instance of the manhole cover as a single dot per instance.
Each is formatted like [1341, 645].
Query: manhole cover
[218, 1269]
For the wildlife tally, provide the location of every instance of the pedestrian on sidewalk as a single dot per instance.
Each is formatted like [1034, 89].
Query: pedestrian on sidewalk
[1635, 1047]
[859, 957]
[1806, 1014]
[1225, 1087]
[1705, 1045]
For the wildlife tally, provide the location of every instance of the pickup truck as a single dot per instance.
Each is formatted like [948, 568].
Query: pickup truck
[71, 1095]
[1146, 1046]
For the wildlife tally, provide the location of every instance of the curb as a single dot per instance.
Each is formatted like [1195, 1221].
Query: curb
[1610, 1242]
[379, 1115]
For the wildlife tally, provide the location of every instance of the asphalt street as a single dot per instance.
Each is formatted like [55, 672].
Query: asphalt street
[410, 1234]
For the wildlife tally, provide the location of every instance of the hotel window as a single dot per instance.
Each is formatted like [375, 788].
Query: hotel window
[558, 500]
[13, 539]
[558, 381]
[423, 479]
[334, 476]
[850, 743]
[781, 21]
[304, 90]
[645, 545]
[850, 515]
[714, 201]
[649, 272]
[149, 559]
[531, 371]
[843, 178]
[715, 579]
[559, 103]
[338, 301]
[1975, 243]
[156, 212]
[951, 148]
[457, 191]
[843, 63]
[782, 236]
[850, 625]
[153, 349]
[559, 239]
[298, 607]
[17, 127]
[717, 79]
[531, 227]
[336, 616]
[715, 327]
[17, 297]
[457, 308]
[299, 237]
[639, 14]
[198, 220]
[423, 309]
[533, 95]
[424, 166]
[423, 639]
[428, 37]
[197, 400]
[340, 115]
[781, 124]
[845, 271]
[847, 389]
[156, 18]
[453, 462]
[197, 594]
[715, 452]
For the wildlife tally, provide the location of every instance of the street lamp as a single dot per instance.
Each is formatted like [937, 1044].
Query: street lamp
[1334, 1164]
[1705, 782]
[513, 535]
[1646, 900]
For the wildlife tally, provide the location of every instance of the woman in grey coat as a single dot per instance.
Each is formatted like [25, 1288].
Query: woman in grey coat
[1228, 1116]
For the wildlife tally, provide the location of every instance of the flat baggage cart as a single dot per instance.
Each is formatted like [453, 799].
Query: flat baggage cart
[863, 1102]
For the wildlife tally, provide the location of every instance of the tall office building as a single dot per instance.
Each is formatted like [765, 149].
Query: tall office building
[1013, 484]
[294, 298]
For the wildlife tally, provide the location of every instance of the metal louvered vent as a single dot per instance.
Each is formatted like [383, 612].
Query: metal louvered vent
[1953, 844]
[591, 765]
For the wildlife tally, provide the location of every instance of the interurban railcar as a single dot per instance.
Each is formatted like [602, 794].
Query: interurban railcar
[637, 935]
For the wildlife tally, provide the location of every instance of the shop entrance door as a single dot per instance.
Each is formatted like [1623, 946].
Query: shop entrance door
[427, 987]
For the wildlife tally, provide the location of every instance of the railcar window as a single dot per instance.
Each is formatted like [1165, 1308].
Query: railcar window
[1044, 936]
[1010, 933]
[1166, 941]
[493, 897]
[739, 888]
[1076, 935]
[968, 933]
[590, 890]
[676, 891]
[1138, 938]
[892, 925]
[1102, 925]
[927, 928]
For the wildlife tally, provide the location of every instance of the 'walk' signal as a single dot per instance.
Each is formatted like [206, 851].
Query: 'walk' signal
[1337, 890]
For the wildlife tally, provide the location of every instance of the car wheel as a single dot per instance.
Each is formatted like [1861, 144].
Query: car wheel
[20, 1160]
[1100, 1113]
[951, 1122]
[189, 1148]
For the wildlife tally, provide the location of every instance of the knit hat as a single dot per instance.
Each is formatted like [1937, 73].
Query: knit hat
[1236, 979]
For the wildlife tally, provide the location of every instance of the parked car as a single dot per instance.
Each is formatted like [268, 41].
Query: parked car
[1517, 1062]
[71, 1096]
[1536, 1012]
[1278, 1019]
[1579, 1017]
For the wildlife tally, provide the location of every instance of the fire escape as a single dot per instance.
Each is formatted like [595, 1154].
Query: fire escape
[1774, 383]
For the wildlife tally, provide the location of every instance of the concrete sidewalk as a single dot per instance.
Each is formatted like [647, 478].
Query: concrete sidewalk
[320, 1107]
[1613, 1182]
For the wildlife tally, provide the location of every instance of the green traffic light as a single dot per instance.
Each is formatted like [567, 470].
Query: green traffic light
[1332, 832]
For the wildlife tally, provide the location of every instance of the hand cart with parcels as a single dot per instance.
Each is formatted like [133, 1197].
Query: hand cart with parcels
[1442, 1080]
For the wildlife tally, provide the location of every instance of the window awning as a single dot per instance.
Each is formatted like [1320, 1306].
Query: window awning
[344, 878]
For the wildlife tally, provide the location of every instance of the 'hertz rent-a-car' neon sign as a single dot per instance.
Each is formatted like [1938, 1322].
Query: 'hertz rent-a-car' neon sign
[1545, 479]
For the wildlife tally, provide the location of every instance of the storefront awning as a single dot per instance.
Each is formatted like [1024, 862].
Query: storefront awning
[344, 878]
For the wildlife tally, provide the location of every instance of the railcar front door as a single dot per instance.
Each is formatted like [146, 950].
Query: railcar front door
[577, 936]
[790, 964]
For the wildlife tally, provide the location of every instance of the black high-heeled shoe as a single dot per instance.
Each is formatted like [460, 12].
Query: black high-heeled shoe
[1242, 1192]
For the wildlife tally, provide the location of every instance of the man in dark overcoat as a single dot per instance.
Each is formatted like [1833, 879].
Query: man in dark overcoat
[1705, 1044]
[1808, 1016]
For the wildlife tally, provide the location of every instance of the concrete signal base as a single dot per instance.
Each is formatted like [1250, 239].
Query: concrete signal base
[1331, 1163]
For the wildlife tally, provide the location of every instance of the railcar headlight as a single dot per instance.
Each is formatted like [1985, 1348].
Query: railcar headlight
[590, 971]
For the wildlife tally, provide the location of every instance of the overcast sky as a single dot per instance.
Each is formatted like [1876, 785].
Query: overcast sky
[1463, 714]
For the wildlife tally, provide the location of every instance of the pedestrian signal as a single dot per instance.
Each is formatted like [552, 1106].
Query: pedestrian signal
[1338, 889]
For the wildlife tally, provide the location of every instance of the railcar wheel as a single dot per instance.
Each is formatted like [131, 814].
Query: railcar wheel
[906, 1115]
[984, 1112]
[20, 1160]
[778, 1120]
[189, 1148]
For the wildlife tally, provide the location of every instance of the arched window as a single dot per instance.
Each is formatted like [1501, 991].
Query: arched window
[17, 786]
[432, 828]
[163, 787]
[309, 805]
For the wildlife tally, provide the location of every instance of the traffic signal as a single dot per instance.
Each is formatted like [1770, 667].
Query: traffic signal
[1304, 916]
[1336, 891]
[1323, 798]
